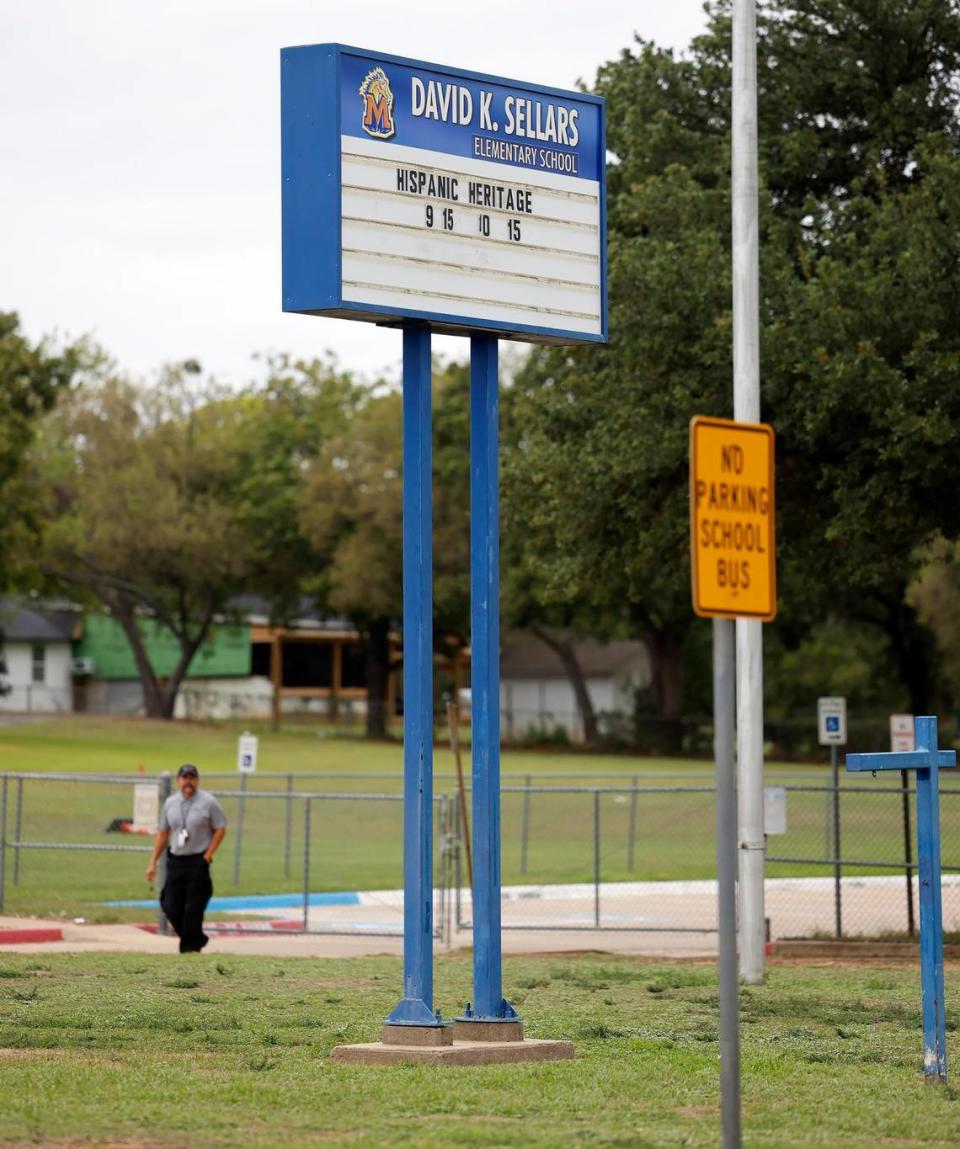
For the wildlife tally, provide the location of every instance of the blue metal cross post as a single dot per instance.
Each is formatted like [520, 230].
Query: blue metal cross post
[489, 1003]
[416, 1007]
[928, 761]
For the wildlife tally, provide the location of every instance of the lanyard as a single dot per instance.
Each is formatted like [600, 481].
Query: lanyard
[184, 812]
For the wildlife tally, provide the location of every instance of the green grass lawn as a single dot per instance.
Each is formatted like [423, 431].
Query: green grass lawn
[358, 844]
[127, 1050]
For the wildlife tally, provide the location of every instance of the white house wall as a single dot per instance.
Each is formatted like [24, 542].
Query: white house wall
[548, 703]
[54, 694]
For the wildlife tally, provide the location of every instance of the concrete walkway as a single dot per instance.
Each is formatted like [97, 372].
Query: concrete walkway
[87, 938]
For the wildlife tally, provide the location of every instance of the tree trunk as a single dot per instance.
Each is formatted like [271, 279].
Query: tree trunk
[159, 698]
[914, 651]
[565, 650]
[666, 685]
[188, 649]
[124, 613]
[376, 647]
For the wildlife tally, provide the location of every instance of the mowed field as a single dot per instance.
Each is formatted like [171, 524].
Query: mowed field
[356, 839]
[208, 1051]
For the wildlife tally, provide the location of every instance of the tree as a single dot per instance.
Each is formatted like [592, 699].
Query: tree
[32, 376]
[135, 512]
[859, 218]
[352, 512]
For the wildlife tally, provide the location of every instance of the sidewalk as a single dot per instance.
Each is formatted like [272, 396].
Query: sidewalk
[129, 938]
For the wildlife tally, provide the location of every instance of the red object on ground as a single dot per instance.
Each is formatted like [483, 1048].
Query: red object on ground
[29, 935]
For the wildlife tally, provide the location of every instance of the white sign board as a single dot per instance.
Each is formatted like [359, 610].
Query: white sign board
[832, 721]
[774, 810]
[412, 190]
[146, 807]
[901, 733]
[247, 746]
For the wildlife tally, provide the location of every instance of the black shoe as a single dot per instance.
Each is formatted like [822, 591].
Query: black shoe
[204, 942]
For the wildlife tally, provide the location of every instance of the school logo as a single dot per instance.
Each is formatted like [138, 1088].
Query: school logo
[377, 105]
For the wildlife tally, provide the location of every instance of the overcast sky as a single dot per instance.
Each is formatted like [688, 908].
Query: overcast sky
[140, 156]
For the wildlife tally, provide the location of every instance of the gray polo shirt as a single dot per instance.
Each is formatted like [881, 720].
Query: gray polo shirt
[201, 814]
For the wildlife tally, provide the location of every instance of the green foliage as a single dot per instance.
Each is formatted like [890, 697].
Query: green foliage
[133, 490]
[32, 376]
[860, 363]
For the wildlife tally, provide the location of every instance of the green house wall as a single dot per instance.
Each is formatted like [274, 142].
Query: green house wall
[225, 654]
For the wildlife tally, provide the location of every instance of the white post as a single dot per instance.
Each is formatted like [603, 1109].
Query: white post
[746, 407]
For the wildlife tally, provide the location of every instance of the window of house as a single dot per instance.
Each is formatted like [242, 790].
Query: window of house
[38, 660]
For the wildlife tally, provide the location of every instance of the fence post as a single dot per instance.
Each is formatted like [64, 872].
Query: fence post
[907, 850]
[306, 863]
[17, 829]
[288, 829]
[236, 849]
[596, 858]
[837, 895]
[166, 789]
[3, 842]
[631, 841]
[525, 826]
[458, 865]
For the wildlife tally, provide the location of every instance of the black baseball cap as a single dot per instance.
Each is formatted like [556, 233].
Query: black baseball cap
[186, 770]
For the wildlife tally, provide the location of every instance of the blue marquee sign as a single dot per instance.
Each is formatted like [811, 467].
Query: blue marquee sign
[418, 192]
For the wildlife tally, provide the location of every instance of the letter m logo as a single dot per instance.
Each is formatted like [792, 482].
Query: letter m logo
[377, 105]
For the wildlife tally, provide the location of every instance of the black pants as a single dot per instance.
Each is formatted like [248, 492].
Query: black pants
[184, 898]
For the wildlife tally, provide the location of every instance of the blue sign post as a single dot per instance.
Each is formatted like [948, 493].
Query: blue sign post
[489, 1003]
[927, 760]
[438, 199]
[416, 1005]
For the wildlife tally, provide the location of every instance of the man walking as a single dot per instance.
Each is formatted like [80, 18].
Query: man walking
[192, 826]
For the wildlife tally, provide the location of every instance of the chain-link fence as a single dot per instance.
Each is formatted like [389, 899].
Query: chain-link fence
[304, 852]
[296, 859]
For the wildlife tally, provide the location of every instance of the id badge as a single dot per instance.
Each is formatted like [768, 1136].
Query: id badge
[182, 837]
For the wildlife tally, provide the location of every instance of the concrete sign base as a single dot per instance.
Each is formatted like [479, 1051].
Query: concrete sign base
[458, 1053]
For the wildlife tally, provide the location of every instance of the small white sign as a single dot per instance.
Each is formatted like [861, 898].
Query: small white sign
[247, 753]
[774, 810]
[901, 733]
[832, 721]
[146, 807]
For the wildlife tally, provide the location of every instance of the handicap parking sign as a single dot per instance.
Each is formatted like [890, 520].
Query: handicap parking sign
[832, 721]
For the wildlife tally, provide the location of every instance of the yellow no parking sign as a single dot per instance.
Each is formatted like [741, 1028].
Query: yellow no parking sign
[732, 538]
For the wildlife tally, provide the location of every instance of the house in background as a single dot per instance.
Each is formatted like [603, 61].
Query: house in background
[105, 673]
[536, 693]
[61, 659]
[38, 652]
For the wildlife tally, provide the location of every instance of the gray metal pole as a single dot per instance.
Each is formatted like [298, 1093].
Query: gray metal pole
[724, 707]
[166, 789]
[17, 830]
[837, 868]
[632, 839]
[306, 863]
[3, 842]
[907, 850]
[596, 858]
[237, 847]
[288, 828]
[746, 407]
[525, 828]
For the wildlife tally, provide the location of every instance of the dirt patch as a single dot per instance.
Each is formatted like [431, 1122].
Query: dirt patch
[698, 1111]
[97, 1143]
